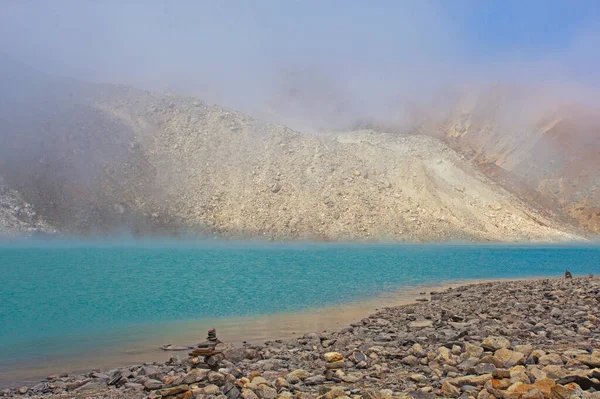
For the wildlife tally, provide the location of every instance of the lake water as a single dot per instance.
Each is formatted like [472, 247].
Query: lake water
[67, 304]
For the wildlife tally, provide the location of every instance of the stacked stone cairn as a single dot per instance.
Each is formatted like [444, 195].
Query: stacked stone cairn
[207, 350]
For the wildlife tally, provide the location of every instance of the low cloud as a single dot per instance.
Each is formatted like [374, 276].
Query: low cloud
[312, 65]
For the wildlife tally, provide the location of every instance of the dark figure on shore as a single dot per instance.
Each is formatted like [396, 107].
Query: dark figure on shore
[568, 274]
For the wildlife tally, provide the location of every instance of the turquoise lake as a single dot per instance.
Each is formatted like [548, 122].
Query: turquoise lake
[61, 299]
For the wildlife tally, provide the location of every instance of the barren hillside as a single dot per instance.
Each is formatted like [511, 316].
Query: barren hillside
[99, 158]
[18, 217]
[550, 155]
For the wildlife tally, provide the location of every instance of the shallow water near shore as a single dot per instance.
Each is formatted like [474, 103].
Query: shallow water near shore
[72, 304]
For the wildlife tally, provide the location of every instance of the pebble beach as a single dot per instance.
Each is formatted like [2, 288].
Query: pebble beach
[509, 339]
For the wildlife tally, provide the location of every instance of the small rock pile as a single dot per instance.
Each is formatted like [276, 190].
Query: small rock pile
[509, 340]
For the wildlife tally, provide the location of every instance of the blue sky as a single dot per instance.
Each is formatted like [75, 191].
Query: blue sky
[242, 53]
[531, 26]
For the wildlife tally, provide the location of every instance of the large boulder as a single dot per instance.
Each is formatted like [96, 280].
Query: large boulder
[493, 343]
[195, 375]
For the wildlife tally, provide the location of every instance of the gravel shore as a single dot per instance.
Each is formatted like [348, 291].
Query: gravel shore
[516, 339]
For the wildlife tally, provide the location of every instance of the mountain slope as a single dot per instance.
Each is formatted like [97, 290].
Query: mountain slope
[549, 155]
[100, 158]
[18, 217]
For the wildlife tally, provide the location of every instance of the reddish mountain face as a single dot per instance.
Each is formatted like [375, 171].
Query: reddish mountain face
[575, 178]
[544, 153]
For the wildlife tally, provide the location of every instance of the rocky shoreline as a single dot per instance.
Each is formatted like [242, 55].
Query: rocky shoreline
[514, 339]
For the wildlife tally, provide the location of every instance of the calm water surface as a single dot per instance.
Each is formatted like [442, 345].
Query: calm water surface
[64, 301]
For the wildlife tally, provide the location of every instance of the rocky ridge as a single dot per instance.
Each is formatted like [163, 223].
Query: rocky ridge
[535, 143]
[100, 158]
[18, 217]
[516, 339]
[240, 177]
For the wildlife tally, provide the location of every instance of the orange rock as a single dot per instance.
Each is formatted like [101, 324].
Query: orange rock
[533, 394]
[254, 374]
[502, 383]
[573, 386]
[545, 386]
[168, 380]
[563, 392]
[332, 357]
[520, 388]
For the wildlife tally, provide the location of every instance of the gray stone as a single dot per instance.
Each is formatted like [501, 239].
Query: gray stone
[101, 376]
[215, 377]
[92, 386]
[411, 360]
[134, 385]
[315, 380]
[550, 359]
[420, 394]
[231, 391]
[195, 375]
[152, 384]
[485, 368]
[358, 356]
[420, 324]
